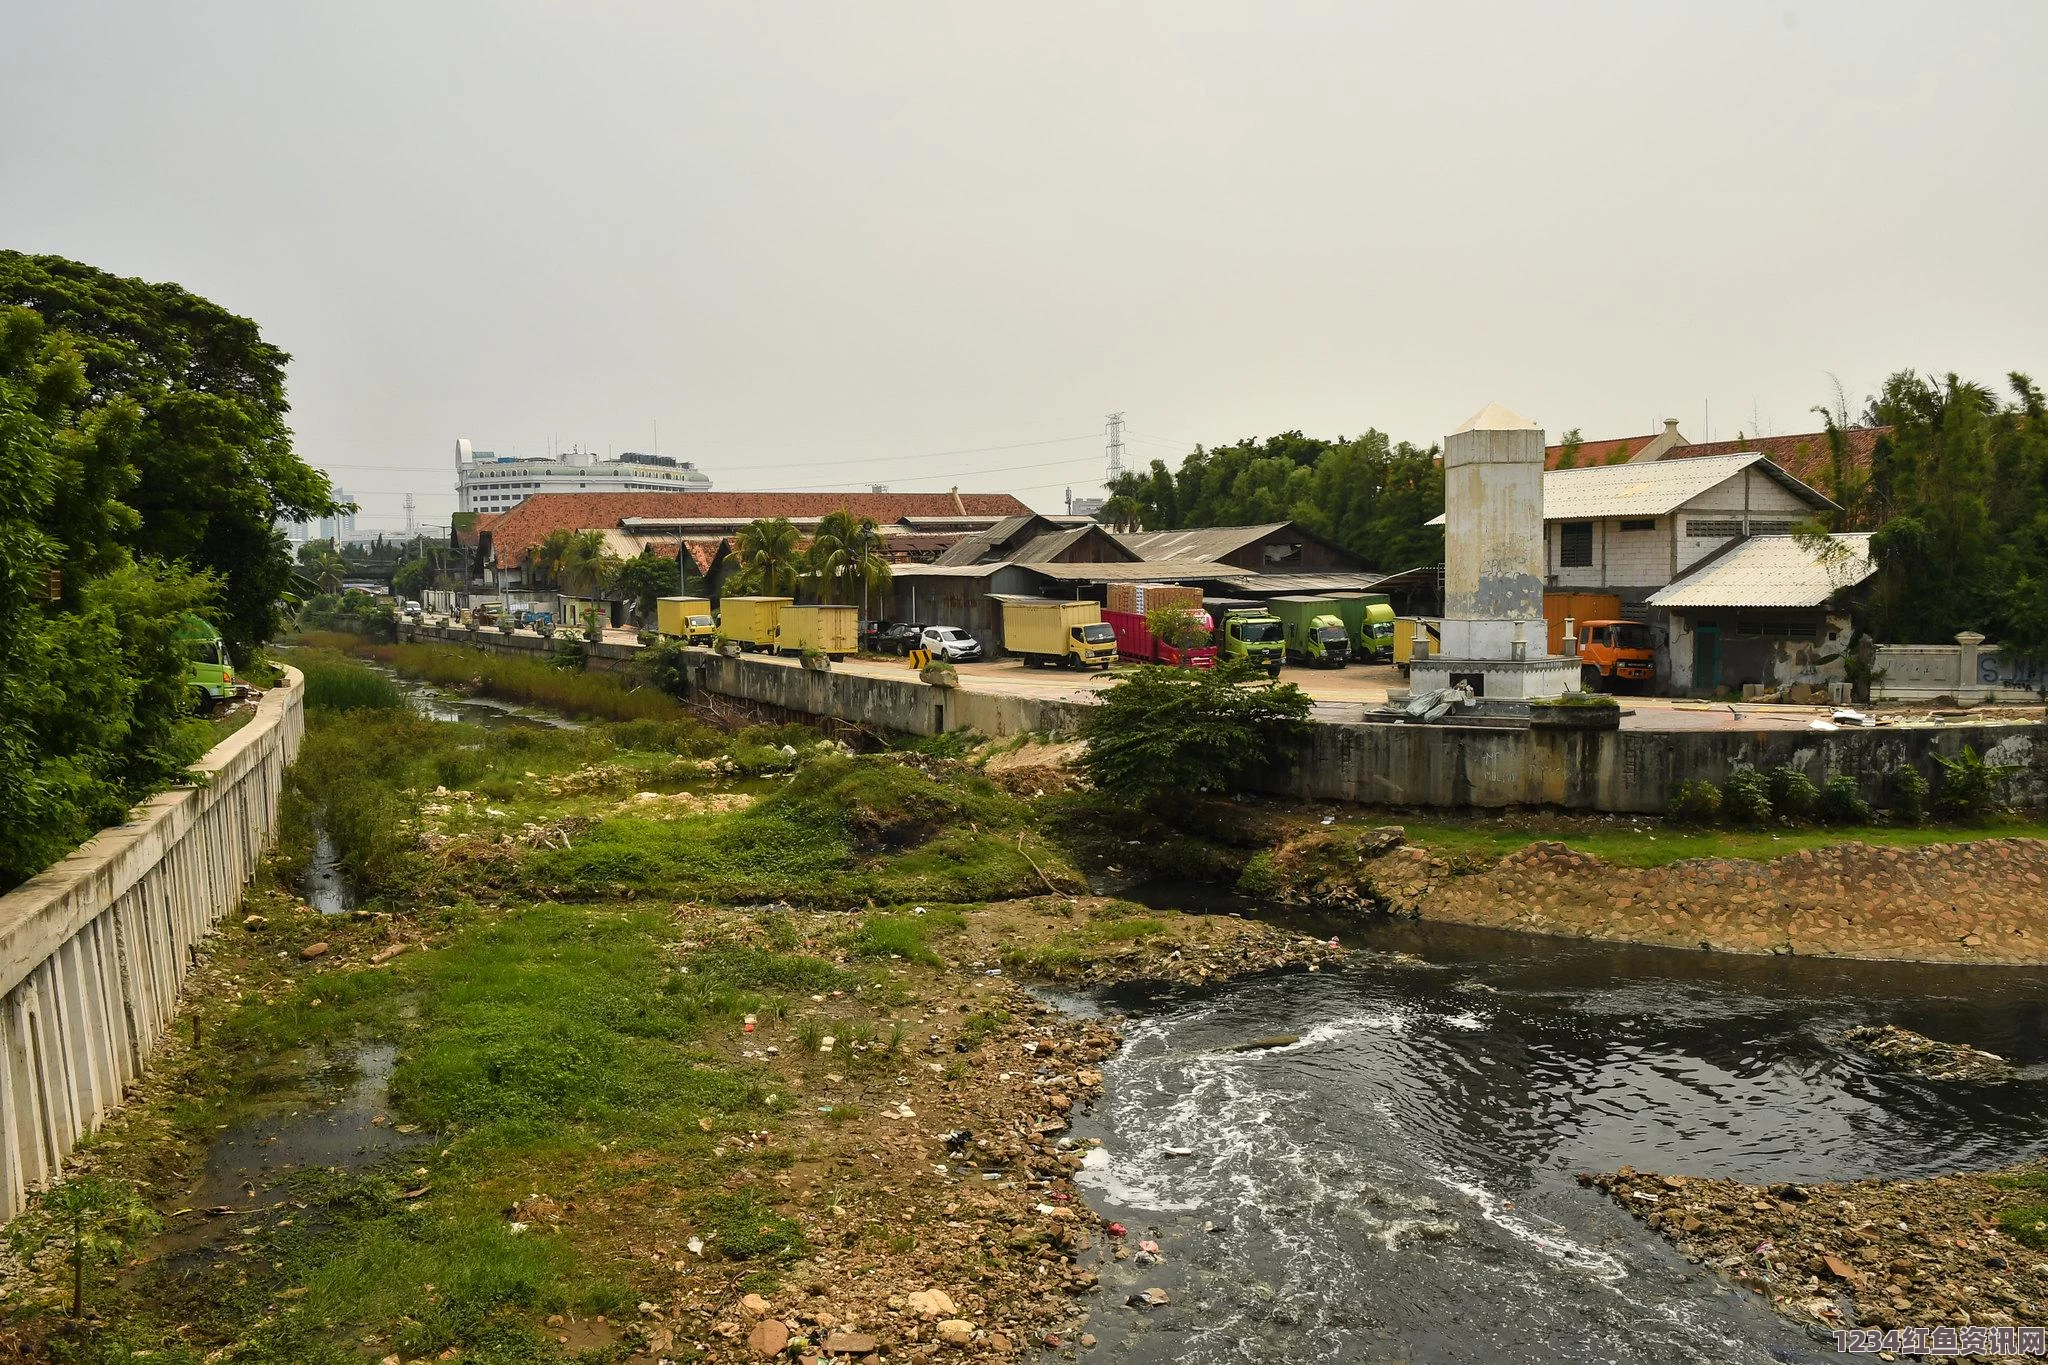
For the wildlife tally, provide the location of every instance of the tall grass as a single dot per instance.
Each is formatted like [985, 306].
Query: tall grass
[337, 684]
[592, 696]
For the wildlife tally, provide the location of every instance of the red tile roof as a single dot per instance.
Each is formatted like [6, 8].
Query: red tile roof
[1803, 456]
[1598, 452]
[518, 530]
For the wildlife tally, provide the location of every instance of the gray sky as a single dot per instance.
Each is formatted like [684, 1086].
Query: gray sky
[823, 244]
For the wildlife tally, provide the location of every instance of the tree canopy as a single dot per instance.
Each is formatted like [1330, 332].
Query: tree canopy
[203, 468]
[144, 462]
[1370, 495]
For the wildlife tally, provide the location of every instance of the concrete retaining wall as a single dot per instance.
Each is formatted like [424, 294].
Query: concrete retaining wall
[1968, 670]
[1392, 765]
[93, 951]
[1624, 770]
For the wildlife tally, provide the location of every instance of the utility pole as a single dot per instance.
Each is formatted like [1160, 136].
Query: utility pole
[1116, 447]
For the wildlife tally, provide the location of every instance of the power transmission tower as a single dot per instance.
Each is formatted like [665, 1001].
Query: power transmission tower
[1116, 447]
[410, 524]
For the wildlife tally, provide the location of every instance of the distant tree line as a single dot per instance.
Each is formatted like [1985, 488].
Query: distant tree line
[144, 465]
[1369, 494]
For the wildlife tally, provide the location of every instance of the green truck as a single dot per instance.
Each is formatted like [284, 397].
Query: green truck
[209, 672]
[1246, 630]
[1369, 617]
[1312, 630]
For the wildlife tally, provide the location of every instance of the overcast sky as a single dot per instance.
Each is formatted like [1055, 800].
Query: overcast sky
[830, 244]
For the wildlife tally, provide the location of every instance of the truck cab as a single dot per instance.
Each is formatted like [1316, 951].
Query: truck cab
[1376, 641]
[1616, 654]
[209, 672]
[1256, 635]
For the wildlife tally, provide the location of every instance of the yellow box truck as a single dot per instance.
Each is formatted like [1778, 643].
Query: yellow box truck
[1048, 630]
[751, 620]
[830, 630]
[1407, 629]
[688, 619]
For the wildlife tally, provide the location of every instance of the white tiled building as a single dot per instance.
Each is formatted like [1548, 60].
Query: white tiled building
[488, 482]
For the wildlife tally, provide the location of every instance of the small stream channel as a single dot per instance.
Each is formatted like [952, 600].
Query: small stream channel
[1398, 1184]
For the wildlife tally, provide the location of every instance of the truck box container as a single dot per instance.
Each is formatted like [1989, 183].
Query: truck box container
[832, 630]
[685, 618]
[751, 620]
[1406, 630]
[1139, 598]
[1047, 630]
[1135, 640]
[1312, 630]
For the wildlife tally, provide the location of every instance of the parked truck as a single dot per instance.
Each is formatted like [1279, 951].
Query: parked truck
[1369, 617]
[1048, 630]
[1247, 630]
[1312, 631]
[209, 672]
[1135, 640]
[1409, 629]
[751, 621]
[831, 630]
[1614, 655]
[688, 619]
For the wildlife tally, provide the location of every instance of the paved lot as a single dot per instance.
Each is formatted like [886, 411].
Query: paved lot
[1340, 695]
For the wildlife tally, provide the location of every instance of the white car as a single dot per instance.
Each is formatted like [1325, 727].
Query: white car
[950, 643]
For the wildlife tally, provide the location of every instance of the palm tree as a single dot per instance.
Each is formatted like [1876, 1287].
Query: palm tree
[1121, 513]
[770, 545]
[544, 561]
[585, 565]
[846, 551]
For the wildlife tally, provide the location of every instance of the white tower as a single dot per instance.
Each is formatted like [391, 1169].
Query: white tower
[1494, 635]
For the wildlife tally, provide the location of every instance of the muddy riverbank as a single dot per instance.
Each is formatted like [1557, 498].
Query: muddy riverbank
[1978, 901]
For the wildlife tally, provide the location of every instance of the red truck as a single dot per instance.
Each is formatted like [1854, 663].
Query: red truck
[1135, 640]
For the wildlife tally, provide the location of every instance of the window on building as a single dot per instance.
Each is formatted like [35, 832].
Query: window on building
[1777, 630]
[1772, 528]
[1638, 523]
[1575, 545]
[1708, 528]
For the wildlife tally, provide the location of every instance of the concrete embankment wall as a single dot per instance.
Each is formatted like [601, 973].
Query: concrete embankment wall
[93, 951]
[1625, 770]
[1983, 901]
[1392, 765]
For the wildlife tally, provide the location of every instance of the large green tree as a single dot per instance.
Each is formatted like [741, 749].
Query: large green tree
[1370, 495]
[205, 466]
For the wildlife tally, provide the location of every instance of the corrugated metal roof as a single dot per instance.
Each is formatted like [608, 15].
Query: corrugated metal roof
[1207, 543]
[1144, 571]
[1771, 571]
[946, 570]
[1307, 582]
[1653, 488]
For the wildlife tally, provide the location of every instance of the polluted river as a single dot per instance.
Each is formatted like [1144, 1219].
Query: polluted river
[1397, 1182]
[1378, 1163]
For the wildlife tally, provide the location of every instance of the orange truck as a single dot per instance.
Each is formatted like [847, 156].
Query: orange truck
[1614, 655]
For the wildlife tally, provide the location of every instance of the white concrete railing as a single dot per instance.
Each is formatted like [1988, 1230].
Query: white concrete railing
[1967, 671]
[93, 951]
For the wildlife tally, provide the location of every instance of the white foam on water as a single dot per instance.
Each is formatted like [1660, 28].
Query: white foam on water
[1468, 1021]
[1546, 1242]
[1334, 1031]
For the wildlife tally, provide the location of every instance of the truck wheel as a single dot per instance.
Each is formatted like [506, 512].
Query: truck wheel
[1589, 678]
[1272, 670]
[1074, 662]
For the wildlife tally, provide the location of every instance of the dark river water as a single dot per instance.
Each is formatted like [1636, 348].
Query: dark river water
[1398, 1185]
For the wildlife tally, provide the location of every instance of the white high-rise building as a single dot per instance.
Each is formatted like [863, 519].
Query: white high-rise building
[489, 482]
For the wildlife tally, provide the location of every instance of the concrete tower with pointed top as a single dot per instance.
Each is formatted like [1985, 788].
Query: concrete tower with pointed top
[1494, 636]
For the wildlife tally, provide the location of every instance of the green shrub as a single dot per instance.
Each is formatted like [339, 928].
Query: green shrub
[1906, 795]
[1694, 801]
[1162, 737]
[1746, 797]
[1968, 793]
[1842, 803]
[1792, 792]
